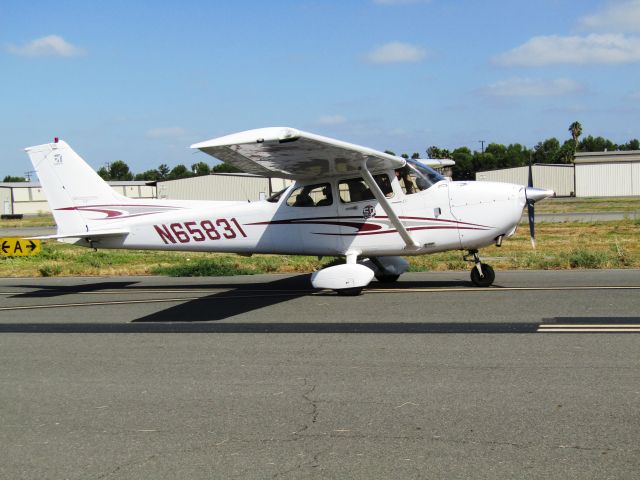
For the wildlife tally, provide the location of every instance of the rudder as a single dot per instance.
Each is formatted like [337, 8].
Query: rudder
[69, 182]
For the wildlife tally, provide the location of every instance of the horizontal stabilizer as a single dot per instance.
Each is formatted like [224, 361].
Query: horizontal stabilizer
[92, 235]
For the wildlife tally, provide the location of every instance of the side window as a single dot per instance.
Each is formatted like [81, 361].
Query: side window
[318, 195]
[407, 180]
[355, 190]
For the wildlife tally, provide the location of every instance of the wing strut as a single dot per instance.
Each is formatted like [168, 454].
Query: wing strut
[386, 206]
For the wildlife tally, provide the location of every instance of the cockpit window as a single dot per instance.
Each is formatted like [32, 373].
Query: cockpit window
[416, 176]
[318, 195]
[356, 190]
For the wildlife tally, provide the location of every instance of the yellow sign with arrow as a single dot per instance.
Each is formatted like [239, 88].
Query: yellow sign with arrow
[19, 247]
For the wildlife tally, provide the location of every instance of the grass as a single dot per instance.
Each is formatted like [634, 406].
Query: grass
[590, 205]
[40, 220]
[560, 246]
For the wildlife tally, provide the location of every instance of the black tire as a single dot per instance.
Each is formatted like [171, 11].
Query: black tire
[487, 278]
[387, 278]
[349, 292]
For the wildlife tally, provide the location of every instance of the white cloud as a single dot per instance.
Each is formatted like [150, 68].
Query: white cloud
[622, 16]
[166, 132]
[49, 46]
[397, 52]
[528, 87]
[331, 120]
[577, 50]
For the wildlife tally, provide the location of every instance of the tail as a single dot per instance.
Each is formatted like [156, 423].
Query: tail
[69, 185]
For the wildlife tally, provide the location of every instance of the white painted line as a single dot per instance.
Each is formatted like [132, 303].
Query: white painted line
[495, 289]
[590, 325]
[588, 330]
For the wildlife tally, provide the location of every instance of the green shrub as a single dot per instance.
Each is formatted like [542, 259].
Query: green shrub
[586, 259]
[216, 267]
[50, 270]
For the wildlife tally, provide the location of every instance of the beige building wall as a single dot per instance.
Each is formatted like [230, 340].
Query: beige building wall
[558, 178]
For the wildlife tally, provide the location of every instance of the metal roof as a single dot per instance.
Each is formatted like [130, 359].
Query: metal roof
[608, 157]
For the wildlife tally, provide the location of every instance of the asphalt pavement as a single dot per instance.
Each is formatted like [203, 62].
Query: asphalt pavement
[263, 377]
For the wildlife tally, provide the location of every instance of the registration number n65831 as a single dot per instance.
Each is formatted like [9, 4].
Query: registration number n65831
[199, 231]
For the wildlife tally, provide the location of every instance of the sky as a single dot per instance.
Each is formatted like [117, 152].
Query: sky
[141, 81]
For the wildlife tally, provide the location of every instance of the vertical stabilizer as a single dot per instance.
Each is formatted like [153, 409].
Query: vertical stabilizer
[69, 183]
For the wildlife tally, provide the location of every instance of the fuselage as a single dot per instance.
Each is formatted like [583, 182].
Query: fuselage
[445, 216]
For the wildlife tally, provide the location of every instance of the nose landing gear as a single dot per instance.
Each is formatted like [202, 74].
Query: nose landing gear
[482, 275]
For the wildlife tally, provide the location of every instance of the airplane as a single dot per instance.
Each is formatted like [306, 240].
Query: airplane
[348, 201]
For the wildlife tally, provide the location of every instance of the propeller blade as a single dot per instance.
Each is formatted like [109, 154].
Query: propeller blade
[532, 223]
[531, 208]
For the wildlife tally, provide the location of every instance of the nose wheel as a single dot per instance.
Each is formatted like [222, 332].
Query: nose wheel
[482, 275]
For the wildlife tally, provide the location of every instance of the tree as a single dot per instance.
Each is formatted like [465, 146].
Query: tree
[389, 152]
[463, 168]
[547, 151]
[567, 152]
[438, 153]
[517, 155]
[163, 171]
[633, 144]
[576, 130]
[119, 170]
[10, 178]
[225, 168]
[415, 155]
[499, 153]
[484, 161]
[200, 168]
[596, 144]
[149, 175]
[179, 171]
[104, 173]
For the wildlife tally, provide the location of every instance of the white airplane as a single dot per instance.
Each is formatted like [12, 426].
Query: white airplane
[347, 201]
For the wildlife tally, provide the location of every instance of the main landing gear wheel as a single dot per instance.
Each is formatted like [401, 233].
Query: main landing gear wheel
[485, 278]
[482, 275]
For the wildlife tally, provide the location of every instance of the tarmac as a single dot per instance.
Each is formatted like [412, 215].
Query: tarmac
[263, 377]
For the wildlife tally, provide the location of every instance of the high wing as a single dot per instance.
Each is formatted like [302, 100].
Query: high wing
[290, 153]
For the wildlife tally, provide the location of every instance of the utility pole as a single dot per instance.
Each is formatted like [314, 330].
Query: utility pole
[481, 145]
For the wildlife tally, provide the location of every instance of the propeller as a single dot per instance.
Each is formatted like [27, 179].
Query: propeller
[531, 208]
[533, 195]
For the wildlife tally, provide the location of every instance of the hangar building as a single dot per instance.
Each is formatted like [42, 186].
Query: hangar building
[221, 186]
[607, 174]
[27, 198]
[593, 174]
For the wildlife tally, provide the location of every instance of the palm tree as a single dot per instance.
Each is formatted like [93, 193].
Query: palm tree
[576, 130]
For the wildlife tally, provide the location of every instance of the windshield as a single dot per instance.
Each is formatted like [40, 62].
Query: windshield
[425, 176]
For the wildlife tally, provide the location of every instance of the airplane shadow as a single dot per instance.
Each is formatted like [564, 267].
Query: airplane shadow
[236, 299]
[47, 291]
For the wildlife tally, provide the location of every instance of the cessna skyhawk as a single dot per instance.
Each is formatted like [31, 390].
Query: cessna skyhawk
[349, 201]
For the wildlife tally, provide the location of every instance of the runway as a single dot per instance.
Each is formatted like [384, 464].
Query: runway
[263, 377]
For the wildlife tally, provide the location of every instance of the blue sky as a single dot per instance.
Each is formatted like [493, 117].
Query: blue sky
[141, 81]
